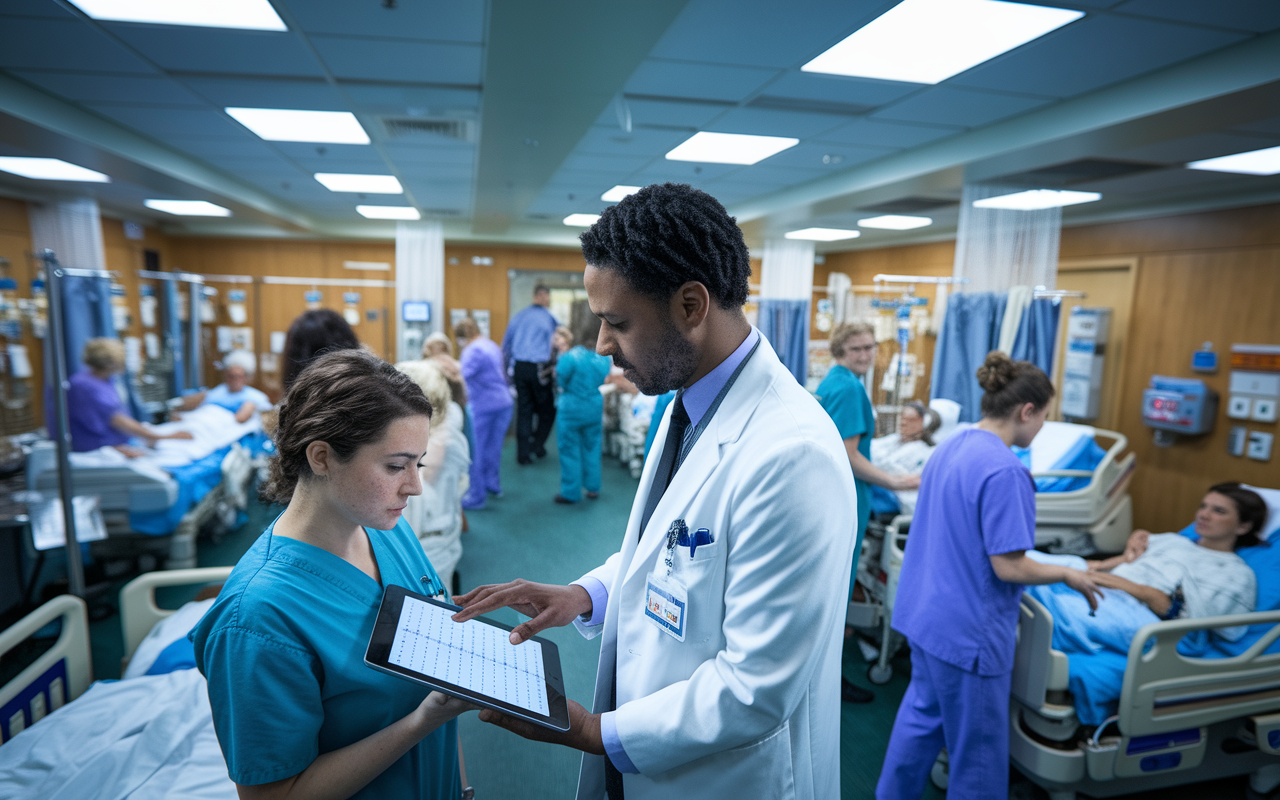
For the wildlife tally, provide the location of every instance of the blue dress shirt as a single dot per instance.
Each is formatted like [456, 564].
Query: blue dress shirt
[528, 336]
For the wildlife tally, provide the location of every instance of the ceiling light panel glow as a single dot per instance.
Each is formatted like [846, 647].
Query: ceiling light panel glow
[291, 125]
[255, 15]
[1255, 162]
[618, 192]
[928, 41]
[822, 234]
[730, 148]
[1036, 199]
[895, 222]
[188, 208]
[50, 169]
[388, 212]
[581, 220]
[368, 184]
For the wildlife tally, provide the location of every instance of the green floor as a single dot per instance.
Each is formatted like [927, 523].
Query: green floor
[525, 535]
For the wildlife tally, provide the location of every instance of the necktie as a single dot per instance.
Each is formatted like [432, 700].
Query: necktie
[661, 480]
[668, 465]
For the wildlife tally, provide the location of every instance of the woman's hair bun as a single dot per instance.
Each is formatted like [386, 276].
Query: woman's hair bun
[997, 372]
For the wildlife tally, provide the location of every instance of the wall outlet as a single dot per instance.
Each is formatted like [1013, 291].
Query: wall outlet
[1260, 445]
[1264, 410]
[1236, 440]
[1238, 407]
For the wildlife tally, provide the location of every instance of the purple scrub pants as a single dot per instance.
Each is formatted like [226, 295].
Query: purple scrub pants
[967, 713]
[490, 428]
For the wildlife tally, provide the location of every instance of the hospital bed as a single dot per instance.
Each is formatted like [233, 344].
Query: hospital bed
[1082, 506]
[157, 504]
[147, 736]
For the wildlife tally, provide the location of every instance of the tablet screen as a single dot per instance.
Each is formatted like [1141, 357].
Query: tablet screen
[471, 655]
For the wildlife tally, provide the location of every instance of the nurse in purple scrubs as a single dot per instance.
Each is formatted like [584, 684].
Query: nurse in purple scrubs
[95, 411]
[958, 595]
[491, 405]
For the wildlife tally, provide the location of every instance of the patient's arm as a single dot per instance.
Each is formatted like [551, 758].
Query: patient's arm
[245, 411]
[1156, 600]
[1015, 567]
[1136, 546]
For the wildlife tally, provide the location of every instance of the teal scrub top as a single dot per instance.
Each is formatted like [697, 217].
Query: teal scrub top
[579, 374]
[846, 402]
[283, 651]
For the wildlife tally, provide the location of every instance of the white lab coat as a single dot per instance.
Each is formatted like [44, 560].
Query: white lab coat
[748, 705]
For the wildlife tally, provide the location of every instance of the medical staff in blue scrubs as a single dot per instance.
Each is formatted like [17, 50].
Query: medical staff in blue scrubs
[295, 708]
[843, 397]
[958, 594]
[579, 411]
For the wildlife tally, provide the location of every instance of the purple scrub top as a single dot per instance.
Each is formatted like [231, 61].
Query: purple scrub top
[91, 403]
[976, 500]
[482, 371]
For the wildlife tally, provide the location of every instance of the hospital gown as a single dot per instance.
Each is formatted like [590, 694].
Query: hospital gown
[896, 457]
[283, 650]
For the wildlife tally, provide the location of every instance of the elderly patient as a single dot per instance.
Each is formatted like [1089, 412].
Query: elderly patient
[904, 453]
[234, 393]
[1159, 576]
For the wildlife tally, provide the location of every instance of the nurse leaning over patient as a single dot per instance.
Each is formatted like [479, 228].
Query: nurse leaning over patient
[297, 712]
[958, 596]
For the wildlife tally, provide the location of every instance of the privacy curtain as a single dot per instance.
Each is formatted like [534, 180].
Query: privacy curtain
[785, 323]
[970, 330]
[419, 276]
[786, 285]
[1038, 334]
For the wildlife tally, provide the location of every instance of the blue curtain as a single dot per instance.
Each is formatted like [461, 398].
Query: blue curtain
[970, 330]
[785, 323]
[1038, 334]
[173, 336]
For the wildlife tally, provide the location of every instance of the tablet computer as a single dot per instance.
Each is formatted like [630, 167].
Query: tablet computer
[416, 638]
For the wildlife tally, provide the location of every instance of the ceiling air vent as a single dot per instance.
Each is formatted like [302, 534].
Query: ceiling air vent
[426, 128]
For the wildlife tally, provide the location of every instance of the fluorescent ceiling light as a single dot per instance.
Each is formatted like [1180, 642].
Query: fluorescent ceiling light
[290, 125]
[581, 220]
[618, 192]
[388, 212]
[1036, 199]
[49, 169]
[822, 234]
[730, 148]
[188, 208]
[927, 41]
[369, 184]
[255, 15]
[895, 222]
[1255, 162]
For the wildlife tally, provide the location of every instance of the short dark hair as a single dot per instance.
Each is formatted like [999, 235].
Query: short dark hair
[312, 333]
[347, 399]
[1250, 508]
[540, 288]
[666, 235]
[1008, 384]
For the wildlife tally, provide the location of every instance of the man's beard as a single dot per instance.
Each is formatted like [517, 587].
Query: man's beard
[671, 364]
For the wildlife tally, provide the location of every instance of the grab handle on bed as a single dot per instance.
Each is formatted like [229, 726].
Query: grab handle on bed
[138, 610]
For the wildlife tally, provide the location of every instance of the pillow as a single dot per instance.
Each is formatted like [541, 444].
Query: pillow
[167, 631]
[1272, 498]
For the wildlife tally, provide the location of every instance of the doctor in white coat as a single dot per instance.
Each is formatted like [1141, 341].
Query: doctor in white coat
[722, 615]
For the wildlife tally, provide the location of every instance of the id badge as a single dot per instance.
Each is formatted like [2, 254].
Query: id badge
[665, 605]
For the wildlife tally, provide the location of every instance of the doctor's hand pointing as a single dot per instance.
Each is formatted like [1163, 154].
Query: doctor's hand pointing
[549, 605]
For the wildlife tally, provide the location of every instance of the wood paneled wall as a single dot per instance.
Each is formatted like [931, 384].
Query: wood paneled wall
[15, 244]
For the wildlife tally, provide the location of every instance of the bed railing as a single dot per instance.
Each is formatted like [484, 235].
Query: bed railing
[57, 676]
[138, 610]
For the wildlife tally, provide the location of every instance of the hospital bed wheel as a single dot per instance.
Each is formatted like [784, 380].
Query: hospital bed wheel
[879, 675]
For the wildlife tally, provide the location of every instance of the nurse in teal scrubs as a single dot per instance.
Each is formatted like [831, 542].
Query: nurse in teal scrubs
[296, 710]
[842, 395]
[579, 411]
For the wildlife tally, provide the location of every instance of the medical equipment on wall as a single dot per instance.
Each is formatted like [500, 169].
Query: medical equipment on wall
[416, 316]
[909, 315]
[1178, 406]
[181, 325]
[1087, 330]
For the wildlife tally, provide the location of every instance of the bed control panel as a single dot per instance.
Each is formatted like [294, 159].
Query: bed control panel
[1266, 727]
[1160, 752]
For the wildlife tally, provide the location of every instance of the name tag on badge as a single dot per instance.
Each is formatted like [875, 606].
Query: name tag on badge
[665, 604]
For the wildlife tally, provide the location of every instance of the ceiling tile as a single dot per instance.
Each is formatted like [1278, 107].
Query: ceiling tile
[391, 99]
[646, 111]
[212, 147]
[436, 172]
[436, 20]
[1194, 148]
[952, 105]
[771, 122]
[839, 89]
[1092, 53]
[1270, 125]
[165, 121]
[336, 152]
[219, 50]
[63, 44]
[90, 87]
[896, 135]
[370, 166]
[810, 155]
[761, 32]
[1258, 16]
[616, 165]
[36, 8]
[435, 153]
[396, 60]
[697, 81]
[1163, 180]
[314, 94]
[663, 171]
[641, 142]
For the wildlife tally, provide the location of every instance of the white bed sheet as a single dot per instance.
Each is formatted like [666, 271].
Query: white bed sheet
[147, 738]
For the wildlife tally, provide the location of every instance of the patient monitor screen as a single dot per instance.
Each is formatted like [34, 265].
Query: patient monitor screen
[472, 655]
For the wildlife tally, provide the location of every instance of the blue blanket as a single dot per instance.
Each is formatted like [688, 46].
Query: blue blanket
[1085, 454]
[195, 480]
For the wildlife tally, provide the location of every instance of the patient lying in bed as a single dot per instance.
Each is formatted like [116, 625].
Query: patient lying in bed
[1159, 576]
